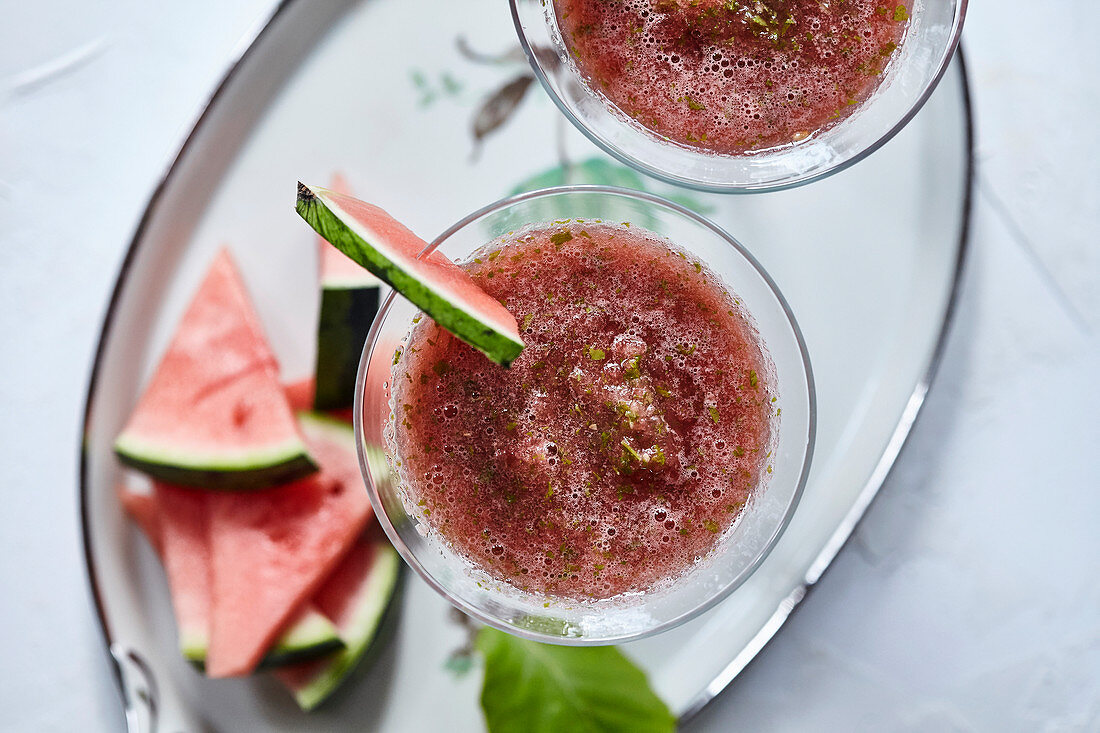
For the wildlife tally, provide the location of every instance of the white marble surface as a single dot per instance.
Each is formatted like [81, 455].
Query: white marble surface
[965, 601]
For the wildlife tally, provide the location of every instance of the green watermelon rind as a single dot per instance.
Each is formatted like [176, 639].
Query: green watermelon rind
[228, 469]
[325, 427]
[347, 311]
[354, 240]
[312, 637]
[376, 598]
[193, 645]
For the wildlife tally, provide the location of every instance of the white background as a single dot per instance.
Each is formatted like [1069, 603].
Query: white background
[966, 601]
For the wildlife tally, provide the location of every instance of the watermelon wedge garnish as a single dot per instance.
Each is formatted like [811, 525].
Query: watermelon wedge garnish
[350, 297]
[175, 518]
[355, 598]
[214, 414]
[385, 247]
[271, 550]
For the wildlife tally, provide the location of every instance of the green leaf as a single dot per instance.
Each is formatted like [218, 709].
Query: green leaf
[541, 688]
[600, 171]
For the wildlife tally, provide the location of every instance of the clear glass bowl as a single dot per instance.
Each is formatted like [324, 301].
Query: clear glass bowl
[922, 59]
[740, 550]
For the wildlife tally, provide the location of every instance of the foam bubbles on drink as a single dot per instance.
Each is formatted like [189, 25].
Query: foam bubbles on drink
[733, 78]
[617, 449]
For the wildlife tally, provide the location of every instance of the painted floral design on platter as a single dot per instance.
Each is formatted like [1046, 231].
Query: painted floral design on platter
[497, 106]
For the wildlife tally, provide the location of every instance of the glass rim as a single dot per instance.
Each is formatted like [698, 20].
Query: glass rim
[947, 54]
[462, 604]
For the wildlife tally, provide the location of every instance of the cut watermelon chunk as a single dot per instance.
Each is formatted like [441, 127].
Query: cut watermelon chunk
[214, 414]
[182, 517]
[142, 508]
[272, 550]
[350, 297]
[308, 636]
[375, 240]
[300, 396]
[355, 597]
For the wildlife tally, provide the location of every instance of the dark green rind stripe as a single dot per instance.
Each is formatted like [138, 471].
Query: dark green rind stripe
[384, 623]
[495, 345]
[345, 320]
[278, 658]
[283, 657]
[243, 478]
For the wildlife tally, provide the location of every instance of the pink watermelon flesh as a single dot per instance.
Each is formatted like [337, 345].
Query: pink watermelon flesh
[336, 599]
[355, 598]
[335, 265]
[214, 414]
[350, 298]
[188, 568]
[436, 268]
[182, 519]
[385, 247]
[300, 396]
[142, 508]
[272, 550]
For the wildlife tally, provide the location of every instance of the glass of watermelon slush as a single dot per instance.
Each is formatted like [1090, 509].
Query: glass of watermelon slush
[867, 88]
[588, 611]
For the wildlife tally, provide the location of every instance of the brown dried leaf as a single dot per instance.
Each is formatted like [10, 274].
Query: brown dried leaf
[499, 106]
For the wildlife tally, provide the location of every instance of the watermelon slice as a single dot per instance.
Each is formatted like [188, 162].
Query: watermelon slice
[272, 550]
[350, 297]
[142, 508]
[308, 636]
[181, 514]
[355, 597]
[375, 240]
[300, 396]
[214, 414]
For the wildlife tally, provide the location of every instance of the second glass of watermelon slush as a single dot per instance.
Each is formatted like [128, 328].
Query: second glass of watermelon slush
[638, 460]
[739, 97]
